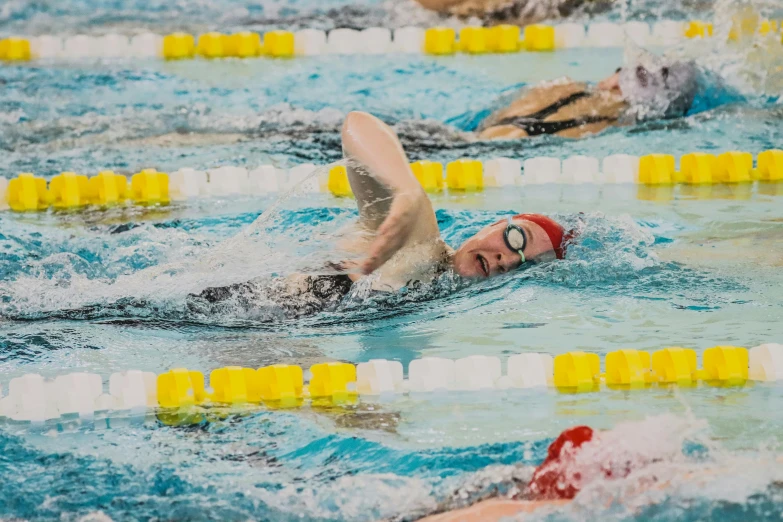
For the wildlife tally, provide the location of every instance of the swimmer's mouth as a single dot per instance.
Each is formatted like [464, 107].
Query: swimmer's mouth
[484, 264]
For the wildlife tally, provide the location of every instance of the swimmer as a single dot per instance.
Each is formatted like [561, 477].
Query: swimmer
[649, 88]
[555, 482]
[517, 12]
[577, 458]
[399, 242]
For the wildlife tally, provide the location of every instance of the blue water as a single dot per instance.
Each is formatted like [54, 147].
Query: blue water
[105, 291]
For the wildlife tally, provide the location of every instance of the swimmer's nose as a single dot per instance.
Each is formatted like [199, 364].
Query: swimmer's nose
[504, 263]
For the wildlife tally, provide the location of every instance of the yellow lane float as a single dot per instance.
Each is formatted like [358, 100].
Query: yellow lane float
[279, 44]
[539, 37]
[338, 183]
[27, 192]
[656, 169]
[465, 175]
[179, 46]
[429, 174]
[440, 41]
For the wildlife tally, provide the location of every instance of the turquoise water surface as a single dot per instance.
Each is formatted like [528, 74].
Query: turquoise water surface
[106, 290]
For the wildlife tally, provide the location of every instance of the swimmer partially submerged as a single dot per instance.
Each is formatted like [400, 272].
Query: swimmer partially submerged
[401, 242]
[648, 87]
[519, 12]
[577, 459]
[406, 242]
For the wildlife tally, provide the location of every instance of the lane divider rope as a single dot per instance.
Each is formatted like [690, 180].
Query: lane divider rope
[34, 399]
[70, 190]
[437, 41]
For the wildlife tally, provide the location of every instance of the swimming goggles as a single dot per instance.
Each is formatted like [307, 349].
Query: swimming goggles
[515, 238]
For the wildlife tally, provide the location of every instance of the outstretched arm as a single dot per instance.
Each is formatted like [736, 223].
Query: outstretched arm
[439, 5]
[391, 202]
[493, 510]
[463, 7]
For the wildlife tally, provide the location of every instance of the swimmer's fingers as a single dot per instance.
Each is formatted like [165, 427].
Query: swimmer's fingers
[391, 235]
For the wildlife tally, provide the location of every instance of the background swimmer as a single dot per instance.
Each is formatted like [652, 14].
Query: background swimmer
[521, 12]
[578, 458]
[399, 242]
[649, 88]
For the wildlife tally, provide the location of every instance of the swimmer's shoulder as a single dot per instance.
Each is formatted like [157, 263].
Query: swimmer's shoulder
[421, 262]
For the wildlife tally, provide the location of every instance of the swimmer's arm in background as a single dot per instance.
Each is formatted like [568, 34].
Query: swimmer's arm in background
[462, 7]
[391, 202]
[438, 5]
[494, 510]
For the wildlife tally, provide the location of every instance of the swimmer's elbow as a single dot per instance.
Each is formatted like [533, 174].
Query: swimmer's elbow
[352, 130]
[363, 129]
[354, 121]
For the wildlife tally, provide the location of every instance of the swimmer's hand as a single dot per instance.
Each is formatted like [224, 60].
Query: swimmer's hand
[395, 230]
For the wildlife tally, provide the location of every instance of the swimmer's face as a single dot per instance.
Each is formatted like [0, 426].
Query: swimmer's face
[486, 254]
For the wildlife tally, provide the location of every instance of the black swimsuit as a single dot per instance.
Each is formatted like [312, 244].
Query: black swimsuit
[321, 293]
[534, 124]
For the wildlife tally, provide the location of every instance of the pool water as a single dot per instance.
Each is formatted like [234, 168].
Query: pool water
[106, 290]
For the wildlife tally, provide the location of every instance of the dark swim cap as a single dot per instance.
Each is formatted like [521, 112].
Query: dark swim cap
[658, 87]
[553, 229]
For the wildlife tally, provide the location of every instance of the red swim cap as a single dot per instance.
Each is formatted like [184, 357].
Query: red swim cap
[552, 228]
[555, 478]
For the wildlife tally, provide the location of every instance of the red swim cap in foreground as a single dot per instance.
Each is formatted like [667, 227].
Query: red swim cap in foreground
[553, 229]
[556, 478]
